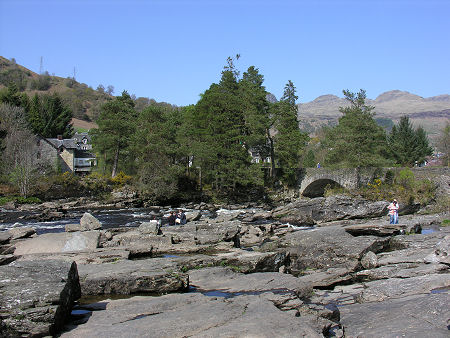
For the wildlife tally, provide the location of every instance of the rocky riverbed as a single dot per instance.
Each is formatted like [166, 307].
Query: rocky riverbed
[318, 267]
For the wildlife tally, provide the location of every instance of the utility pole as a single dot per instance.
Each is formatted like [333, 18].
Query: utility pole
[41, 66]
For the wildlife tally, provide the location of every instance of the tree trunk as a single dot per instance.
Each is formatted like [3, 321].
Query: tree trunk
[272, 155]
[116, 162]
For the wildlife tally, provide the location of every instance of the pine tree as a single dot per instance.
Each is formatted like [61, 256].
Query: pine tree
[357, 141]
[289, 140]
[221, 135]
[408, 145]
[115, 128]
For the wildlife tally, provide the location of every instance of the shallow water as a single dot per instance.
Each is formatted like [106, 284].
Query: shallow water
[228, 294]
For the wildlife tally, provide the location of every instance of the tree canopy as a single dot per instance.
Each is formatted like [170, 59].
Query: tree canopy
[408, 146]
[357, 141]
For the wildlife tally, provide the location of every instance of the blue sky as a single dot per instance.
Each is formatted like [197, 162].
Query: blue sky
[173, 50]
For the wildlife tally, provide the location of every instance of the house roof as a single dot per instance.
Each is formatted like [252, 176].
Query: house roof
[66, 143]
[83, 154]
[80, 136]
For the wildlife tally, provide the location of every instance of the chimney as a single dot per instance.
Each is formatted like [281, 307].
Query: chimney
[59, 137]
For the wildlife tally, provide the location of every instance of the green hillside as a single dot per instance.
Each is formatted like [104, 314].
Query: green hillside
[84, 101]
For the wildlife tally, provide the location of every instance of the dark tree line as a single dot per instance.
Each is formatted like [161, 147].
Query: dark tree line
[46, 115]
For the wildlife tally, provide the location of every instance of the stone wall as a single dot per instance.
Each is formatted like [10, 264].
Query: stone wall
[67, 157]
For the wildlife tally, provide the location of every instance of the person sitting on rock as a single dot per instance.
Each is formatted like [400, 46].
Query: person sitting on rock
[172, 218]
[181, 217]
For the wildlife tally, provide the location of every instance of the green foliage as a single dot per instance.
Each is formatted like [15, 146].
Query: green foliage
[445, 223]
[42, 82]
[121, 179]
[408, 145]
[403, 186]
[111, 140]
[19, 200]
[405, 178]
[221, 134]
[289, 140]
[309, 160]
[49, 117]
[97, 184]
[357, 141]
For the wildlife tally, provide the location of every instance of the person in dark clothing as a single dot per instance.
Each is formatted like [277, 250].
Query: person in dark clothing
[181, 217]
[172, 218]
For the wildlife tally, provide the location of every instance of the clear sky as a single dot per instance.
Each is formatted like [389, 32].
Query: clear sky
[173, 50]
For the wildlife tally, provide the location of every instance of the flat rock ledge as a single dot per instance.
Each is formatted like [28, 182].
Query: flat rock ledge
[36, 297]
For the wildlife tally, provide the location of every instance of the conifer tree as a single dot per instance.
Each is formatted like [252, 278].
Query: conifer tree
[289, 140]
[115, 128]
[357, 141]
[221, 134]
[408, 145]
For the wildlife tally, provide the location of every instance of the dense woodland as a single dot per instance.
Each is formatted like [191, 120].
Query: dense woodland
[208, 148]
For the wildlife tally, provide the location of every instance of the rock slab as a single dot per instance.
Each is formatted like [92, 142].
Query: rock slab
[36, 297]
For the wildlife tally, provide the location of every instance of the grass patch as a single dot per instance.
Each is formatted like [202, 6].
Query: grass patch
[445, 223]
[19, 200]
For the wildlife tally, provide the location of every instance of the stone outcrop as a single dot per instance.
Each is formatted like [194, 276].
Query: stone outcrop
[130, 277]
[320, 209]
[58, 243]
[89, 222]
[36, 297]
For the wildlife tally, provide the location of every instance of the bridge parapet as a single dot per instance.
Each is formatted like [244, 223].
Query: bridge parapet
[313, 181]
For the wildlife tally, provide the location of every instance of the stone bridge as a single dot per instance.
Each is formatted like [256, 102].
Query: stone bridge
[312, 181]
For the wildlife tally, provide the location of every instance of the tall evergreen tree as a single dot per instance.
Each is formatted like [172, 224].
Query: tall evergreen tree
[157, 151]
[408, 145]
[357, 141]
[289, 140]
[115, 128]
[221, 133]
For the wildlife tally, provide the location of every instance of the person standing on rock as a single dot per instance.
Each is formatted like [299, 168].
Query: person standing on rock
[393, 212]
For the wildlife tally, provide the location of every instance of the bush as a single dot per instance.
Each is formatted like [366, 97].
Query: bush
[121, 179]
[19, 200]
[97, 184]
[402, 186]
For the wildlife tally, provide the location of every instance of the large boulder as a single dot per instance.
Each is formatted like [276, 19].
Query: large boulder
[59, 242]
[89, 222]
[155, 276]
[150, 228]
[36, 297]
[318, 210]
[329, 247]
[21, 232]
[441, 254]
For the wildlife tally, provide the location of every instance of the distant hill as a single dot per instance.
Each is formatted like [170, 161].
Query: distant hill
[431, 113]
[84, 101]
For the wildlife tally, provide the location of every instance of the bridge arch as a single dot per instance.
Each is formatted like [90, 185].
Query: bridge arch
[317, 188]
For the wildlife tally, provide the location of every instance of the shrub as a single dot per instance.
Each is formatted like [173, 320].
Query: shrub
[121, 179]
[97, 183]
